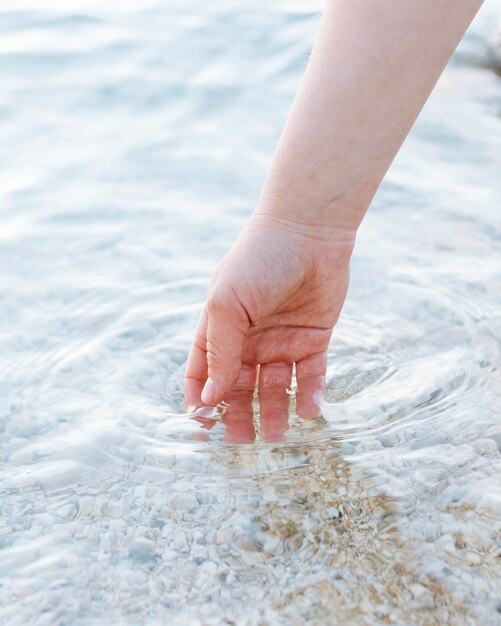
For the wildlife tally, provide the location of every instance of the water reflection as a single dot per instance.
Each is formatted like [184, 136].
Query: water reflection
[121, 189]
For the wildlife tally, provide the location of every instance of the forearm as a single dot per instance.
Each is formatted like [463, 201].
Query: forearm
[373, 66]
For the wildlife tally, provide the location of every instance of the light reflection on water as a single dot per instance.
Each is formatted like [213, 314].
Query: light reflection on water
[135, 140]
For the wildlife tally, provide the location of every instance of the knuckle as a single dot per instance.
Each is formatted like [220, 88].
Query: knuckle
[224, 306]
[218, 300]
[213, 354]
[217, 355]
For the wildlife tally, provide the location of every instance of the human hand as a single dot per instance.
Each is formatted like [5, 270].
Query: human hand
[272, 303]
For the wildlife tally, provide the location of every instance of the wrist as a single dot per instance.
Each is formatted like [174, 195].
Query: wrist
[305, 235]
[325, 218]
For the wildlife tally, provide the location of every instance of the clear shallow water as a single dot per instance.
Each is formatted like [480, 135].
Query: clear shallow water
[135, 139]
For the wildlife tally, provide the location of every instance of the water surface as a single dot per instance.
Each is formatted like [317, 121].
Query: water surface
[135, 138]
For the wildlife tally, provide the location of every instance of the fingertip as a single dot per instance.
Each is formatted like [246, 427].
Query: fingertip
[195, 373]
[310, 376]
[309, 403]
[213, 393]
[192, 391]
[220, 384]
[309, 407]
[209, 392]
[309, 398]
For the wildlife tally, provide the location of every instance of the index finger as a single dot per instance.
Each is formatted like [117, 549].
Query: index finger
[196, 371]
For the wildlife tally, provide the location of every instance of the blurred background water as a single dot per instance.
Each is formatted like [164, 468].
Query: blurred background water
[135, 137]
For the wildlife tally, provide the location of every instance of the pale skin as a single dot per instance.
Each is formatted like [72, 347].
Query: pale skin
[276, 296]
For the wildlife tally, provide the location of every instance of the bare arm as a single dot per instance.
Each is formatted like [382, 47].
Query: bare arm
[372, 68]
[279, 291]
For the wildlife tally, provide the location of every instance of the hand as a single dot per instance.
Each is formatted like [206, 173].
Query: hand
[272, 302]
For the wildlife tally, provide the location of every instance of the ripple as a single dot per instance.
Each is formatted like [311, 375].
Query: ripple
[129, 164]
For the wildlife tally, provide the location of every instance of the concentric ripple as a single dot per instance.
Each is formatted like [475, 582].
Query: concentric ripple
[135, 139]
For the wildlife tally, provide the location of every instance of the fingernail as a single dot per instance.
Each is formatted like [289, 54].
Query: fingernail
[209, 392]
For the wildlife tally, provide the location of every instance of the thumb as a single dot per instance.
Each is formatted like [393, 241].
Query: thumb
[226, 333]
